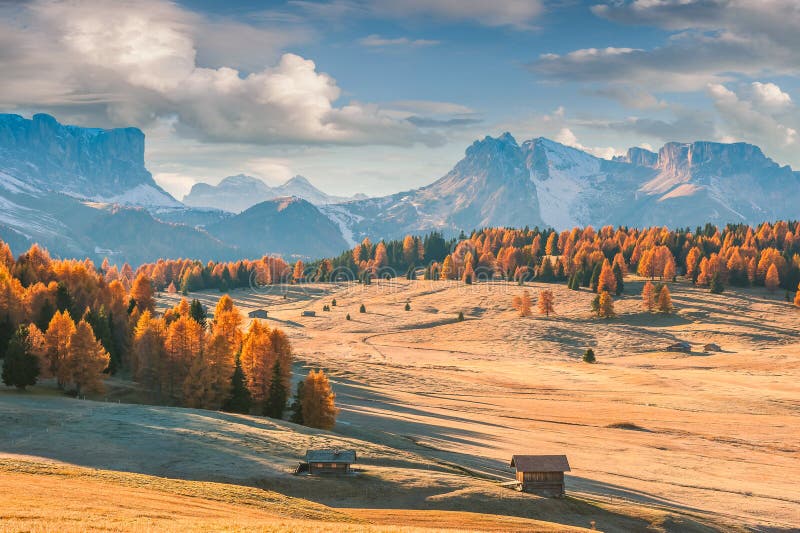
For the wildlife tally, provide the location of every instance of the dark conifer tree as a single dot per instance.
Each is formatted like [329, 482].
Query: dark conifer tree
[598, 268]
[239, 400]
[277, 396]
[20, 367]
[619, 277]
[296, 415]
[198, 313]
[716, 286]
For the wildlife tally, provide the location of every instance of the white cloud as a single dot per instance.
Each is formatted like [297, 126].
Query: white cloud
[769, 96]
[713, 40]
[743, 120]
[68, 58]
[377, 41]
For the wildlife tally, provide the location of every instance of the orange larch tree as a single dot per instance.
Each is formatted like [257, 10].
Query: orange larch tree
[546, 303]
[772, 280]
[523, 303]
[607, 280]
[86, 360]
[318, 401]
[648, 297]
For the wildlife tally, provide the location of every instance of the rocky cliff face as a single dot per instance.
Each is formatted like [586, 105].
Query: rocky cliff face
[85, 162]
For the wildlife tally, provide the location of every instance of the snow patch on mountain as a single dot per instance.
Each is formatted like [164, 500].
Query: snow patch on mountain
[143, 195]
[561, 174]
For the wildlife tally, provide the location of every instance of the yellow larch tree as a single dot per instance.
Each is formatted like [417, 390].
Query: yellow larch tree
[546, 302]
[56, 347]
[522, 303]
[142, 293]
[607, 280]
[182, 345]
[772, 280]
[605, 305]
[664, 300]
[448, 270]
[86, 360]
[149, 353]
[257, 359]
[318, 401]
[648, 297]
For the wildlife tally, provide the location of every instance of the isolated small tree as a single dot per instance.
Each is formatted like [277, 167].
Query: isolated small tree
[278, 395]
[664, 300]
[333, 302]
[362, 309]
[648, 297]
[21, 365]
[239, 400]
[347, 317]
[408, 306]
[461, 316]
[588, 356]
[772, 280]
[523, 303]
[715, 286]
[296, 408]
[546, 303]
[605, 305]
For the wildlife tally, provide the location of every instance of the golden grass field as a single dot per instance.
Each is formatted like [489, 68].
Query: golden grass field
[657, 441]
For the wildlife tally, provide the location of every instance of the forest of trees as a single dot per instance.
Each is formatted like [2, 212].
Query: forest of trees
[67, 320]
[75, 322]
[737, 255]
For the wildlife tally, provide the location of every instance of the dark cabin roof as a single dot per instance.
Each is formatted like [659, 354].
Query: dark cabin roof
[331, 456]
[540, 463]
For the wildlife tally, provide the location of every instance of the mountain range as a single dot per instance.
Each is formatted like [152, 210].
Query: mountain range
[86, 192]
[237, 193]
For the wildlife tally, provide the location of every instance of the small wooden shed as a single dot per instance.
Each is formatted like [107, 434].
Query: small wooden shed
[309, 313]
[681, 346]
[257, 313]
[330, 461]
[541, 474]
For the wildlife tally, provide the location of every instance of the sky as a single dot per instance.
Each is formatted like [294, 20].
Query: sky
[382, 96]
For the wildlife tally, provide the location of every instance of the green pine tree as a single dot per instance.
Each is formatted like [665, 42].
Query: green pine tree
[408, 306]
[595, 276]
[619, 277]
[239, 400]
[716, 286]
[588, 357]
[198, 313]
[277, 396]
[296, 408]
[20, 367]
[362, 309]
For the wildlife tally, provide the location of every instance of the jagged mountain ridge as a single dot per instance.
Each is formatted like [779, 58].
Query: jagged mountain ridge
[240, 192]
[541, 182]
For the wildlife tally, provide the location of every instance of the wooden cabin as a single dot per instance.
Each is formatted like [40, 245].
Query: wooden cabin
[330, 461]
[681, 346]
[257, 313]
[541, 474]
